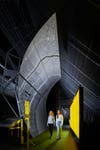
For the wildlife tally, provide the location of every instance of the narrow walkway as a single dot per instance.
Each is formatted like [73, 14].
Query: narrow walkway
[43, 142]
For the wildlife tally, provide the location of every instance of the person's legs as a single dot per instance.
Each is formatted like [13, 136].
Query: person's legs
[58, 129]
[49, 126]
[51, 129]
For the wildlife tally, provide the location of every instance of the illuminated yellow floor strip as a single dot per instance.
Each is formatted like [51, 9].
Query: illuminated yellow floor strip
[43, 142]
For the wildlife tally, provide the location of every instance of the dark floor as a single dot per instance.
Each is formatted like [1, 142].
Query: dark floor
[41, 142]
[90, 135]
[88, 141]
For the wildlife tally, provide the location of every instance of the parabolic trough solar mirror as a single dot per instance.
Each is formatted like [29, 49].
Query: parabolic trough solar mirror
[40, 70]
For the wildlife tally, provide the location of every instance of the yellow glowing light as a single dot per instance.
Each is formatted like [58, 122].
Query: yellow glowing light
[27, 109]
[75, 114]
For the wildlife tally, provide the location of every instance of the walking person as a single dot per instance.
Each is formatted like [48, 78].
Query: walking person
[59, 124]
[51, 122]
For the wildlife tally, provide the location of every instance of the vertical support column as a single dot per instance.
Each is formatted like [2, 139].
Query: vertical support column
[22, 137]
[18, 129]
[27, 117]
[28, 129]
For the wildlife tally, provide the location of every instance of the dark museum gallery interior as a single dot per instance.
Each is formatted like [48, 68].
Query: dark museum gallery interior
[49, 60]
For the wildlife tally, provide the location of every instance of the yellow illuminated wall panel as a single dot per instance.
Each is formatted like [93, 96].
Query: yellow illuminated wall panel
[75, 114]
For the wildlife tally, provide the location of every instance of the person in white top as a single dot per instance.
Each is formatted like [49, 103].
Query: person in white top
[51, 122]
[59, 124]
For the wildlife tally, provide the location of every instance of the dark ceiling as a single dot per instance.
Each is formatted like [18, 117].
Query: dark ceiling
[21, 19]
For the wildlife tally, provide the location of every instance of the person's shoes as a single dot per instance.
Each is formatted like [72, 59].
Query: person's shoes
[58, 138]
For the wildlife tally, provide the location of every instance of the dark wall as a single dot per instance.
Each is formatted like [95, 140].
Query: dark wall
[78, 27]
[79, 42]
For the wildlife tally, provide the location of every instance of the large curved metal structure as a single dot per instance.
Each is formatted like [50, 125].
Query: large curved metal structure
[39, 72]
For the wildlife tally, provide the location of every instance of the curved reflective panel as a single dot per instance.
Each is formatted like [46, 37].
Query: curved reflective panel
[40, 70]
